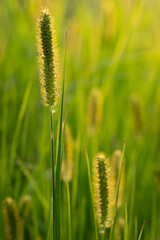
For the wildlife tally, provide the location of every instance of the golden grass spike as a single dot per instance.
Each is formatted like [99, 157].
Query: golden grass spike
[94, 113]
[25, 206]
[67, 163]
[137, 113]
[116, 164]
[12, 221]
[103, 191]
[48, 59]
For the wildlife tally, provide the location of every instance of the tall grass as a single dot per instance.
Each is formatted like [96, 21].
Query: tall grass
[113, 46]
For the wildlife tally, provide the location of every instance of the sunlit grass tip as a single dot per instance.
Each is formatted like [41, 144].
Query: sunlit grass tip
[103, 191]
[48, 59]
[12, 221]
[67, 163]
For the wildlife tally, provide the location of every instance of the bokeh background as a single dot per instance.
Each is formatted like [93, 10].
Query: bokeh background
[112, 45]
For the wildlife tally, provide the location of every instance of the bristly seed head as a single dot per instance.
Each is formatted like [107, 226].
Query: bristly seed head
[48, 59]
[12, 221]
[103, 191]
[67, 163]
[94, 111]
[116, 164]
[25, 206]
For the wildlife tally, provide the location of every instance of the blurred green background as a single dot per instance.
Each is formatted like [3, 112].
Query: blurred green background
[113, 45]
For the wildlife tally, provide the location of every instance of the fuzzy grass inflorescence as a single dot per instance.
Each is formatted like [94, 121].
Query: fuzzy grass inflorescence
[25, 206]
[48, 59]
[94, 113]
[103, 191]
[15, 216]
[12, 221]
[116, 164]
[67, 163]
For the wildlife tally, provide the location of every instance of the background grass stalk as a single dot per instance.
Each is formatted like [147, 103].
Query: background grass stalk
[117, 192]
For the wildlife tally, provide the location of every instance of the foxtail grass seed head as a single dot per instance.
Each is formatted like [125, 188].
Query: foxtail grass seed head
[103, 191]
[48, 59]
[119, 229]
[136, 113]
[25, 206]
[116, 164]
[67, 163]
[94, 111]
[12, 221]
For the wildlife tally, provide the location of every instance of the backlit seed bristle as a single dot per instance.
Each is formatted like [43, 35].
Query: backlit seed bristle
[48, 59]
[67, 163]
[103, 191]
[25, 206]
[94, 113]
[116, 164]
[136, 113]
[12, 221]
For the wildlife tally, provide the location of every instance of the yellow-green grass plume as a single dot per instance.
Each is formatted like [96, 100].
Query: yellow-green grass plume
[94, 111]
[116, 164]
[67, 163]
[12, 221]
[48, 59]
[103, 191]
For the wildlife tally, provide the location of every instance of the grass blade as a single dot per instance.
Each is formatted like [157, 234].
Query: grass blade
[126, 223]
[33, 183]
[140, 235]
[18, 126]
[136, 222]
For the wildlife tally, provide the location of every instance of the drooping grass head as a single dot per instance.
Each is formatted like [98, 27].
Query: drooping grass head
[48, 59]
[103, 191]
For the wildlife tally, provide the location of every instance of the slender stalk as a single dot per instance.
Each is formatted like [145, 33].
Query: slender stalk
[59, 159]
[52, 159]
